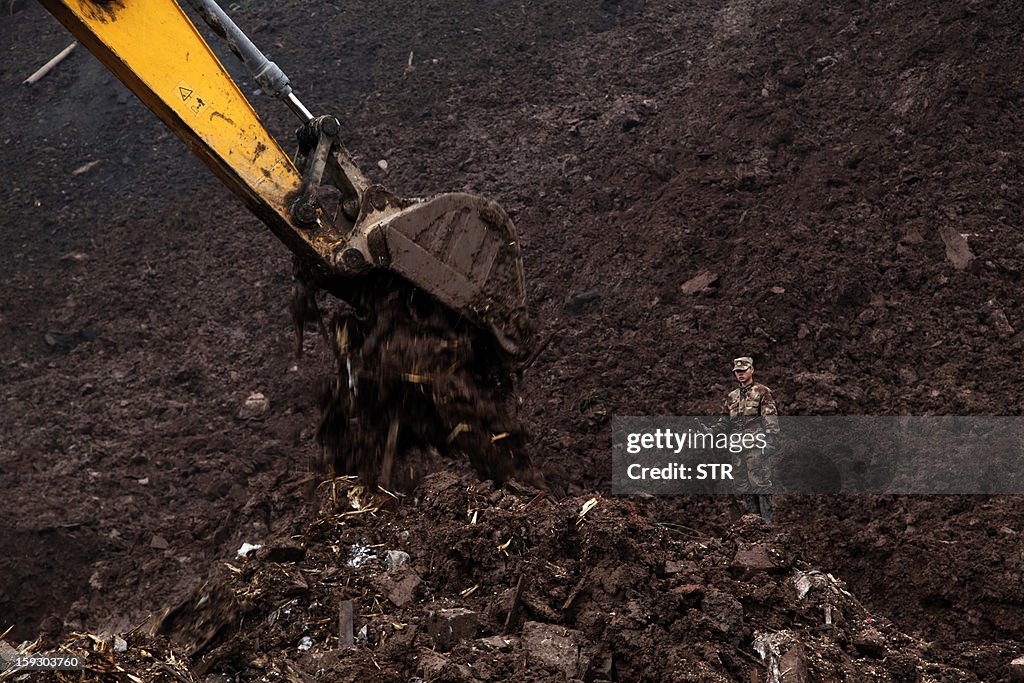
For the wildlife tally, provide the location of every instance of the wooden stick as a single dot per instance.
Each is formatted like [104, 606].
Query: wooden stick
[345, 624]
[517, 596]
[45, 68]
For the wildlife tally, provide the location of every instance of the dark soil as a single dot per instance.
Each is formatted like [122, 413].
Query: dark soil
[846, 177]
[414, 384]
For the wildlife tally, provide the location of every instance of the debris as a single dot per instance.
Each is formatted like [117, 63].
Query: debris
[382, 164]
[85, 168]
[120, 644]
[305, 643]
[793, 665]
[1017, 670]
[246, 548]
[46, 68]
[345, 635]
[449, 626]
[957, 251]
[870, 643]
[555, 647]
[358, 555]
[395, 558]
[159, 543]
[587, 507]
[755, 557]
[255, 407]
[499, 643]
[513, 608]
[701, 282]
[772, 648]
[996, 318]
[399, 585]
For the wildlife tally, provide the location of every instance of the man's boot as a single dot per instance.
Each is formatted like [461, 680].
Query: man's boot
[750, 503]
[764, 502]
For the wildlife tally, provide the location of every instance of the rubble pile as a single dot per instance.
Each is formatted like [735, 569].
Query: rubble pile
[460, 581]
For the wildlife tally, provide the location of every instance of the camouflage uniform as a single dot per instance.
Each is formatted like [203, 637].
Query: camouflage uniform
[751, 409]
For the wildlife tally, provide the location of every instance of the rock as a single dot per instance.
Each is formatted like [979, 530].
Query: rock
[449, 626]
[755, 558]
[1017, 670]
[554, 647]
[579, 302]
[395, 558]
[957, 251]
[499, 643]
[997, 319]
[399, 585]
[159, 543]
[699, 283]
[870, 643]
[256, 407]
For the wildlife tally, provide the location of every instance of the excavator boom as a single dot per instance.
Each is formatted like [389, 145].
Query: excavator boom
[459, 248]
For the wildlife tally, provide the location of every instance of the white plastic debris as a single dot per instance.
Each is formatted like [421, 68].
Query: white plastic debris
[247, 548]
[395, 558]
[805, 581]
[769, 647]
[256, 406]
[358, 555]
[305, 643]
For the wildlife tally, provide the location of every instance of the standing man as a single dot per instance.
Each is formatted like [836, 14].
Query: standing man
[751, 409]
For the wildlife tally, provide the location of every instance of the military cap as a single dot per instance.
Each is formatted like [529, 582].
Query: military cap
[743, 363]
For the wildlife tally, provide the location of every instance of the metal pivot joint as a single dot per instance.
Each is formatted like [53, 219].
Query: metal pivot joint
[316, 139]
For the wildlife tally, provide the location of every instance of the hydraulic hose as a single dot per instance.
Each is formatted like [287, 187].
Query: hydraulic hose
[266, 73]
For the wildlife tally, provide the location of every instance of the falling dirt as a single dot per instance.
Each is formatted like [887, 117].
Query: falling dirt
[416, 385]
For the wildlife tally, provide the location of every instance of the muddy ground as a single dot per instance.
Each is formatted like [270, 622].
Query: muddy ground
[819, 163]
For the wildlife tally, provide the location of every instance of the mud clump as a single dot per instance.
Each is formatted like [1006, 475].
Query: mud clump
[415, 384]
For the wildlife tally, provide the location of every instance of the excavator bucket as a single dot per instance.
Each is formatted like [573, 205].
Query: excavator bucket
[459, 248]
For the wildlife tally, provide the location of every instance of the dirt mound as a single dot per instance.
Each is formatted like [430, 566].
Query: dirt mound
[507, 584]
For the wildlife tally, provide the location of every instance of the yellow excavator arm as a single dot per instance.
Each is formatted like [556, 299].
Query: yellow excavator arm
[461, 249]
